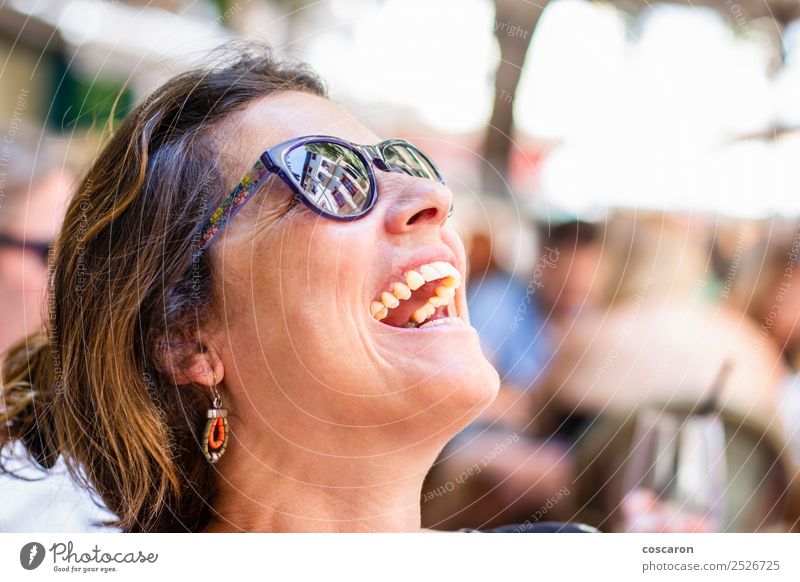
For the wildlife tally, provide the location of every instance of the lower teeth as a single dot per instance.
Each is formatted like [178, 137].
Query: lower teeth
[440, 321]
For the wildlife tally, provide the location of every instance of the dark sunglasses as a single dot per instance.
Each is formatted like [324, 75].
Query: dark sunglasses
[41, 249]
[333, 177]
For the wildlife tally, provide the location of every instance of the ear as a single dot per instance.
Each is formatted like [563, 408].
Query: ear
[204, 367]
[193, 363]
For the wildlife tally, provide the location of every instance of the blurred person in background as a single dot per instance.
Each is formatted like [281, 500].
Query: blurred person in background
[652, 266]
[521, 321]
[767, 288]
[37, 182]
[36, 185]
[662, 344]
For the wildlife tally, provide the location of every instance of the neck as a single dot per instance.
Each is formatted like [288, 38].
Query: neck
[300, 491]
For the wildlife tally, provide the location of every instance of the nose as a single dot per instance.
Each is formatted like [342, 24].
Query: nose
[419, 202]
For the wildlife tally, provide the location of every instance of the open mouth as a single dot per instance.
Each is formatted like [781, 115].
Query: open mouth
[424, 295]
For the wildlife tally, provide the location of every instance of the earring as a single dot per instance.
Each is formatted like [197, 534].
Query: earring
[215, 436]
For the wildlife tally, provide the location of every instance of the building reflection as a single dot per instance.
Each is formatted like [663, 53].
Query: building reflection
[333, 180]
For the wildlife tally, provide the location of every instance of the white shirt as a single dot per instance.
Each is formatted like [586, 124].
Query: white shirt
[52, 503]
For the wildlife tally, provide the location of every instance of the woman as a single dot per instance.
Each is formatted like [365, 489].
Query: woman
[288, 354]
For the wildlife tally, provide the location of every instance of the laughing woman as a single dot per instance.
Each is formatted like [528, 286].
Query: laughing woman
[256, 318]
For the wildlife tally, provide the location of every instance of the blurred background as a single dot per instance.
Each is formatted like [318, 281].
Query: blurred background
[627, 181]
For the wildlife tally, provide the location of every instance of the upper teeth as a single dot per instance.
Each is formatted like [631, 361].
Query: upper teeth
[389, 300]
[414, 279]
[429, 273]
[400, 290]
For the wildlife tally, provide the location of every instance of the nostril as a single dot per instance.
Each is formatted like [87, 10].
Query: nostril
[426, 213]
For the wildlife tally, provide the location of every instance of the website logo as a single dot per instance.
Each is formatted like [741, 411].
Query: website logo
[31, 555]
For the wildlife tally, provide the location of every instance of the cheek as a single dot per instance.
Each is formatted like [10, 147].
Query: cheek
[314, 296]
[321, 266]
[453, 240]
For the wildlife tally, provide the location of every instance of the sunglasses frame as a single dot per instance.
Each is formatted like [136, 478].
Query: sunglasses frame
[41, 249]
[273, 161]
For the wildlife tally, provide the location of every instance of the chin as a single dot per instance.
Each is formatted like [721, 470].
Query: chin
[451, 386]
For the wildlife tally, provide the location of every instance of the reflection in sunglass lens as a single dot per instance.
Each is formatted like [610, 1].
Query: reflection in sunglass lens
[333, 177]
[408, 160]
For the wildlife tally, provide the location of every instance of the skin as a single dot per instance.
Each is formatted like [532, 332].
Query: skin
[23, 275]
[336, 417]
[569, 280]
[784, 329]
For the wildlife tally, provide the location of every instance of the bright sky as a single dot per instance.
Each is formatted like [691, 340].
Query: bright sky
[644, 109]
[436, 57]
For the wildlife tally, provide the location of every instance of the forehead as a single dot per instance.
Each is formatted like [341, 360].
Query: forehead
[287, 115]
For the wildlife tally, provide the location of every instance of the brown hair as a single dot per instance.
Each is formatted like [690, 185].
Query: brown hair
[124, 288]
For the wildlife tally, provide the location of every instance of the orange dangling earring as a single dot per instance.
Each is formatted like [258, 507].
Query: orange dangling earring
[215, 436]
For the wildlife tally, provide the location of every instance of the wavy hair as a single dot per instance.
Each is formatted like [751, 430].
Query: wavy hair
[123, 287]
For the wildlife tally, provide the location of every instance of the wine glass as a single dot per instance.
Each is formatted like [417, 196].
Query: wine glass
[676, 474]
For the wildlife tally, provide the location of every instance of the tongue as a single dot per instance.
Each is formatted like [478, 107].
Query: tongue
[401, 315]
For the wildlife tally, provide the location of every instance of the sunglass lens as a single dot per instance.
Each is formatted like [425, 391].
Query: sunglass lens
[333, 177]
[406, 159]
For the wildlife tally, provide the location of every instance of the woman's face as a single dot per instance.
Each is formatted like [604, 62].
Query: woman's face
[296, 294]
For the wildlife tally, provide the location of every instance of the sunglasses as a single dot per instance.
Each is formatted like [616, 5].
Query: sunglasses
[40, 249]
[333, 177]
